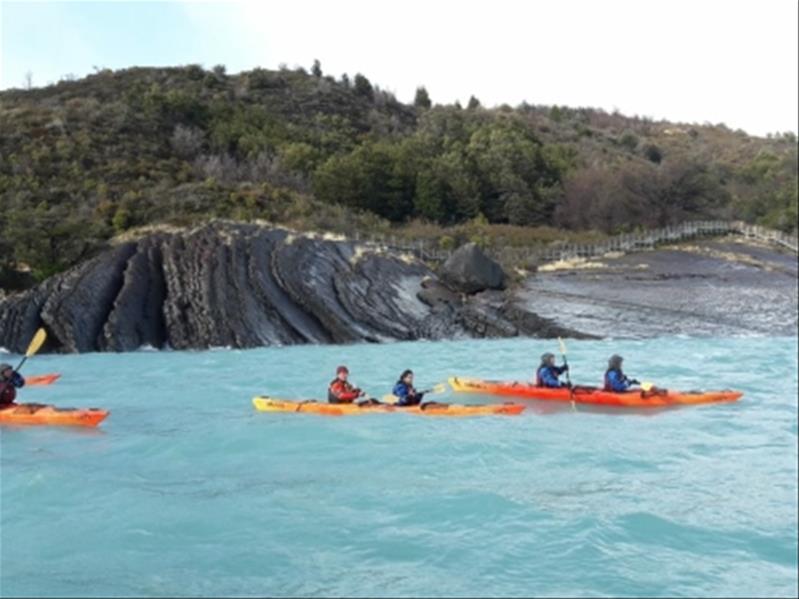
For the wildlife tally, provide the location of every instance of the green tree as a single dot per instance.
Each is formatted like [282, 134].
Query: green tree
[363, 87]
[372, 177]
[422, 98]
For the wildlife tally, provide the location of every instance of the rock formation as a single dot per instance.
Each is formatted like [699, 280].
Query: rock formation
[470, 270]
[243, 285]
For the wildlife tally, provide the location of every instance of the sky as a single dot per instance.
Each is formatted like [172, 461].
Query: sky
[719, 61]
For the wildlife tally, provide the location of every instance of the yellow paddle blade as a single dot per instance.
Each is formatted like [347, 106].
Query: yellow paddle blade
[562, 346]
[36, 343]
[440, 388]
[392, 399]
[647, 385]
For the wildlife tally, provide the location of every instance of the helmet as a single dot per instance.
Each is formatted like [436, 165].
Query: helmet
[615, 361]
[547, 357]
[4, 367]
[341, 369]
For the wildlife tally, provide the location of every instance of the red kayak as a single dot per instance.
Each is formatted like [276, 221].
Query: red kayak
[38, 380]
[656, 398]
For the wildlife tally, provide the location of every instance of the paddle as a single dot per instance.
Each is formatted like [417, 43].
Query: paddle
[36, 343]
[568, 374]
[435, 390]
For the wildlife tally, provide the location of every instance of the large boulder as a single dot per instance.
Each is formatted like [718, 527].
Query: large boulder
[470, 270]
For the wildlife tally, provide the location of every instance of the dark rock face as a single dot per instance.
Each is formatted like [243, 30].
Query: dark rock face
[247, 286]
[470, 270]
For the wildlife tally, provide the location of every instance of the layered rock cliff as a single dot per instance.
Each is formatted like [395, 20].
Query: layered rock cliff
[244, 285]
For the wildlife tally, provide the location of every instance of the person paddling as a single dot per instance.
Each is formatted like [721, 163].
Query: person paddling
[341, 390]
[10, 381]
[615, 379]
[406, 393]
[547, 373]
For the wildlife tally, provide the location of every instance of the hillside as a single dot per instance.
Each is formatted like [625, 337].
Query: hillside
[82, 161]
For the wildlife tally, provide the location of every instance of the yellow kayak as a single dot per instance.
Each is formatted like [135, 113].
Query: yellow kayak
[272, 404]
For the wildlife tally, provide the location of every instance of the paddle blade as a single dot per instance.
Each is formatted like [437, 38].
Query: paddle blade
[390, 399]
[36, 343]
[562, 346]
[647, 385]
[440, 388]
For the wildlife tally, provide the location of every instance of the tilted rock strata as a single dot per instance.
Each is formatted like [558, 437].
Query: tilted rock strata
[246, 286]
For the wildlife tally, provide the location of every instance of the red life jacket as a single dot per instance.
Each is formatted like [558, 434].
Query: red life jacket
[341, 391]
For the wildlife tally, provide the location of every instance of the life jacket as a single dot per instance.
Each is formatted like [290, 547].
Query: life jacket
[554, 372]
[341, 391]
[608, 384]
[539, 381]
[408, 396]
[7, 393]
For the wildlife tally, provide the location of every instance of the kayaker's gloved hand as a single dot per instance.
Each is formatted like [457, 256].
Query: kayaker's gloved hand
[635, 382]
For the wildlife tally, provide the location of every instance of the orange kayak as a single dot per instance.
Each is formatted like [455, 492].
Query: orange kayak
[38, 380]
[271, 404]
[40, 414]
[593, 395]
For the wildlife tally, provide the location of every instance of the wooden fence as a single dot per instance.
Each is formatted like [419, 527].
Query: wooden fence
[632, 242]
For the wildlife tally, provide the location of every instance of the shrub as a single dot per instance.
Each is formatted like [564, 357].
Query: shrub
[629, 140]
[653, 153]
[186, 141]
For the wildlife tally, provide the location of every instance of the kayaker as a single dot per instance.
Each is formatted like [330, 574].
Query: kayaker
[405, 392]
[340, 389]
[615, 379]
[10, 381]
[547, 373]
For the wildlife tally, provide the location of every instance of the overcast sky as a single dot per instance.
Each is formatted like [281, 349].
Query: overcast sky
[683, 60]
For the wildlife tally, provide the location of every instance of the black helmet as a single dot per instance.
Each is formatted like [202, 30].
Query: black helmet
[615, 361]
[547, 357]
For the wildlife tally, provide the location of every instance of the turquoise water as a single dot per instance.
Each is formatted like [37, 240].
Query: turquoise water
[186, 491]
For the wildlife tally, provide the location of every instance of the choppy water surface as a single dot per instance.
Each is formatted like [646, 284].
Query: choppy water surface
[185, 490]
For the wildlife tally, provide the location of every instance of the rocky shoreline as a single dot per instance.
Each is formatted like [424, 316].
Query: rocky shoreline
[244, 285]
[715, 287]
